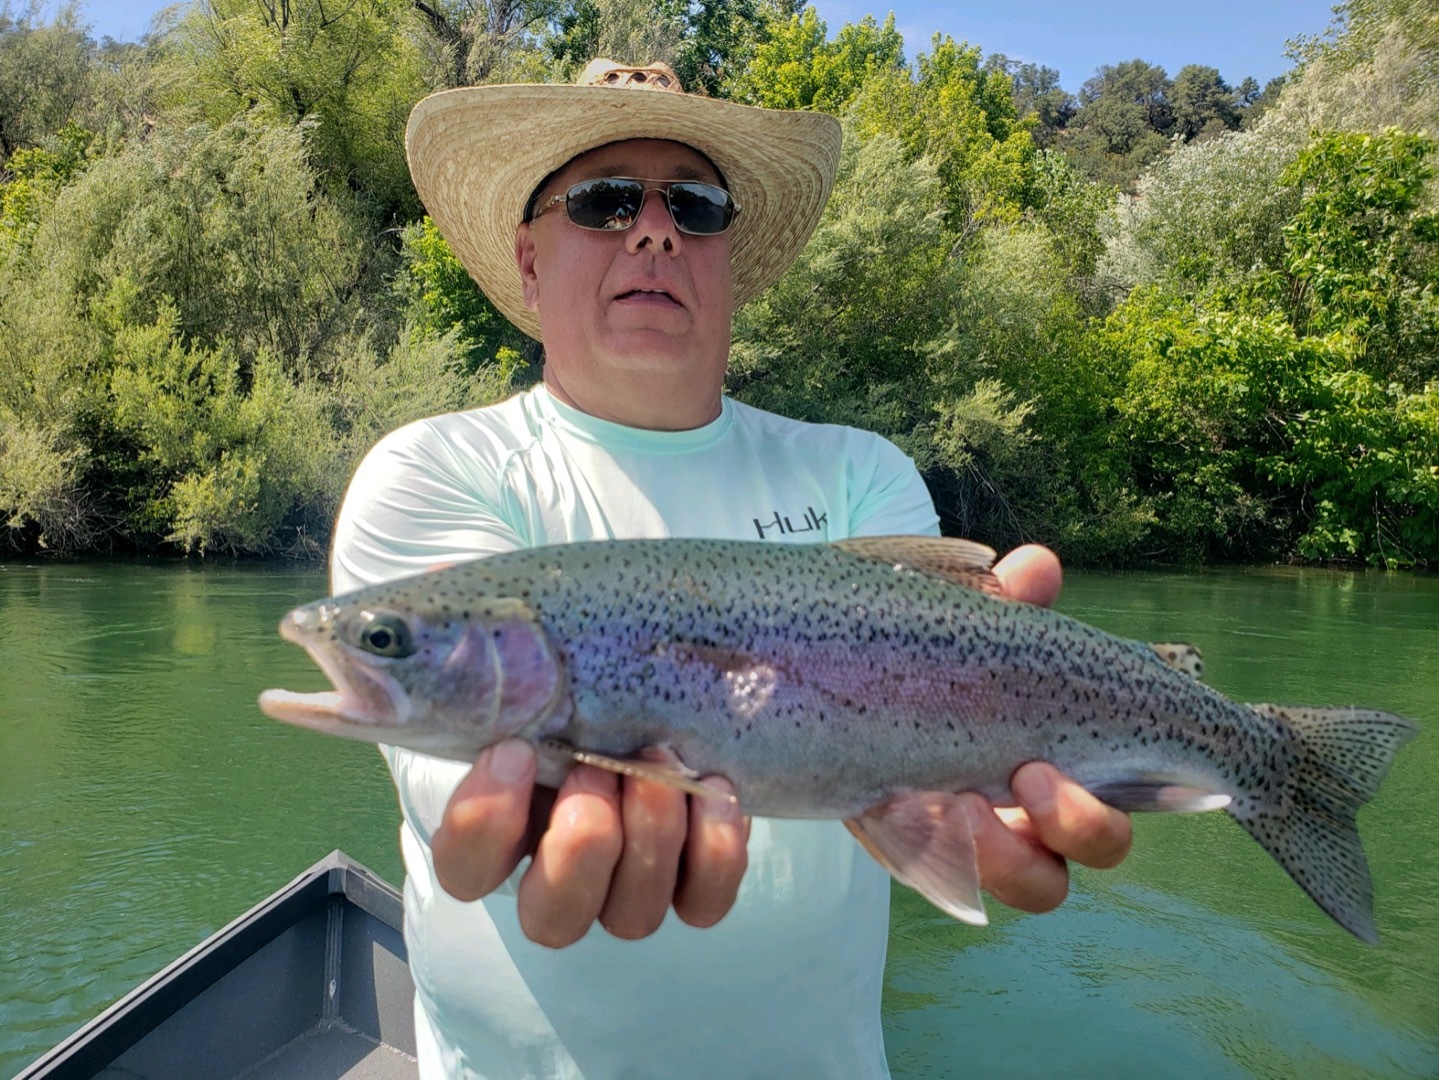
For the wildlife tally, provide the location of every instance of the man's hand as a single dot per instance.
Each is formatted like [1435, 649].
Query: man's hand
[623, 850]
[618, 849]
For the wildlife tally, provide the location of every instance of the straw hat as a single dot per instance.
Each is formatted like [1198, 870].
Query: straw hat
[477, 153]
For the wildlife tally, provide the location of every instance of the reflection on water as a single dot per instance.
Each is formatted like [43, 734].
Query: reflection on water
[144, 802]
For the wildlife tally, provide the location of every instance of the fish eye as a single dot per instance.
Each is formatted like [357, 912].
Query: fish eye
[384, 635]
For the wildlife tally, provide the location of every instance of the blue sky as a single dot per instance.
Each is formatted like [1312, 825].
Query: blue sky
[1239, 37]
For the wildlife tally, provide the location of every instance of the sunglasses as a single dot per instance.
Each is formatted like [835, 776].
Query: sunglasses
[613, 204]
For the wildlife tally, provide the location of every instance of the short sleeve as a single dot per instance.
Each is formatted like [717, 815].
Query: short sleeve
[888, 497]
[420, 498]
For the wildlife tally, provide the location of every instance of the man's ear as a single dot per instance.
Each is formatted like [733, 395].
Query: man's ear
[525, 259]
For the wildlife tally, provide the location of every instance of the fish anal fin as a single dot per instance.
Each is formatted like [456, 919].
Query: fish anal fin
[1181, 656]
[663, 767]
[962, 562]
[923, 839]
[1137, 795]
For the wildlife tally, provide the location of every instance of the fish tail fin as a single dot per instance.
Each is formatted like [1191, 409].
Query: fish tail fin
[1310, 829]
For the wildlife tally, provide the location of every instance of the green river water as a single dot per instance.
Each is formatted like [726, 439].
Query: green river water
[144, 802]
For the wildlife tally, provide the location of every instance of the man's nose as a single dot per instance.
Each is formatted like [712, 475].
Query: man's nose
[654, 225]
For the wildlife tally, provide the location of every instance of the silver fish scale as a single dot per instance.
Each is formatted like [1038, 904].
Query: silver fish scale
[822, 683]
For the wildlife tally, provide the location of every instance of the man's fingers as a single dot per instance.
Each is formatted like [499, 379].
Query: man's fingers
[481, 837]
[715, 857]
[655, 819]
[1012, 867]
[1069, 820]
[1030, 573]
[565, 887]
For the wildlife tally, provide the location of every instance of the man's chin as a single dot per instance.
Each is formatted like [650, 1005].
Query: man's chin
[662, 319]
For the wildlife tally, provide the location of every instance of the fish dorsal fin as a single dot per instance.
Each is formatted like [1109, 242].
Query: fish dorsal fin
[1181, 656]
[923, 839]
[961, 561]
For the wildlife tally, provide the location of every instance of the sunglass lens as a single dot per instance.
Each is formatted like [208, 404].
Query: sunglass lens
[613, 203]
[700, 209]
[605, 204]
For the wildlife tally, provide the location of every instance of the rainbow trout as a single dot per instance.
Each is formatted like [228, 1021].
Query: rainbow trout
[867, 680]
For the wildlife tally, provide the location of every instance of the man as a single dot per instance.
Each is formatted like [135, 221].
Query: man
[621, 221]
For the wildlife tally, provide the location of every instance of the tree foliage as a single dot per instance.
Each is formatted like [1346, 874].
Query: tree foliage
[1168, 318]
[342, 66]
[797, 66]
[1364, 249]
[952, 110]
[43, 73]
[1129, 115]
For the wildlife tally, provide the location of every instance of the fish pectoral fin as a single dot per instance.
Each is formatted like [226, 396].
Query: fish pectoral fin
[1181, 656]
[923, 839]
[962, 562]
[664, 767]
[1133, 796]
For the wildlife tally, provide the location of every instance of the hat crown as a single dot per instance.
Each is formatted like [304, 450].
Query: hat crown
[605, 72]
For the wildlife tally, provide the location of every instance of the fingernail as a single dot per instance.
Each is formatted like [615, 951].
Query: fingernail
[509, 761]
[1034, 788]
[717, 804]
[592, 780]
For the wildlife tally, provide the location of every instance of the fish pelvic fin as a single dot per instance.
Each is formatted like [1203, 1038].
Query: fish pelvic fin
[1344, 755]
[1133, 796]
[665, 768]
[962, 562]
[923, 839]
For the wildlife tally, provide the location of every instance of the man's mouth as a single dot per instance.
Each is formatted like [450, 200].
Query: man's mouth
[649, 296]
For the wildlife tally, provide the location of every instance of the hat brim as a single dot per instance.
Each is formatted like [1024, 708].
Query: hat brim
[477, 152]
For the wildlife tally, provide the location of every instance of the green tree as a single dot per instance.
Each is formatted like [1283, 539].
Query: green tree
[953, 111]
[1037, 94]
[1363, 248]
[629, 31]
[703, 41]
[796, 66]
[1366, 458]
[719, 35]
[1123, 123]
[1203, 104]
[1073, 211]
[44, 70]
[442, 299]
[231, 227]
[346, 68]
[847, 334]
[1209, 216]
[1203, 405]
[1376, 67]
[471, 42]
[36, 176]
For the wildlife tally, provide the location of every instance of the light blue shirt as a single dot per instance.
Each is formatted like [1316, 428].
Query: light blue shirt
[789, 983]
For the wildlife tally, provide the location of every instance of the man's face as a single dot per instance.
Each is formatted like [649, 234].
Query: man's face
[646, 300]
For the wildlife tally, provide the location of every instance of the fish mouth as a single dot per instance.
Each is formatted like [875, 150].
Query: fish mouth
[364, 703]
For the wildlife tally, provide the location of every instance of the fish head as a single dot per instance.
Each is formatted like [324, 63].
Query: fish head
[410, 670]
